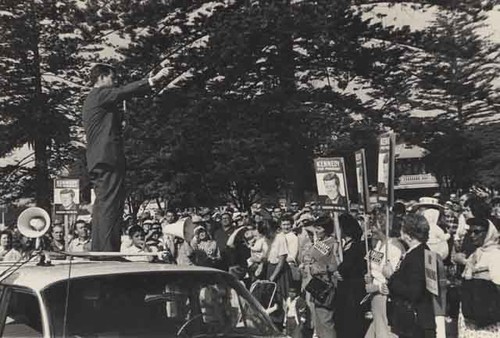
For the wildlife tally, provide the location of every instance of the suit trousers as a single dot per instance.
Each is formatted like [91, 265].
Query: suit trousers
[107, 213]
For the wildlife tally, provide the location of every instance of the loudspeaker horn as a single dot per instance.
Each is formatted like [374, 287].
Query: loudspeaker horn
[33, 222]
[183, 228]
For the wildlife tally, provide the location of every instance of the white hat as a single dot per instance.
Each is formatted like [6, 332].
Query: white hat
[429, 202]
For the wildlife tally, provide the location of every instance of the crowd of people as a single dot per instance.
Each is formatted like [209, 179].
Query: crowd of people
[359, 279]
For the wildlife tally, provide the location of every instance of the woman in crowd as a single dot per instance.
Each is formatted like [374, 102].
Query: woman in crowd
[7, 252]
[292, 244]
[410, 306]
[206, 252]
[350, 319]
[278, 270]
[480, 292]
[259, 248]
[321, 265]
[379, 327]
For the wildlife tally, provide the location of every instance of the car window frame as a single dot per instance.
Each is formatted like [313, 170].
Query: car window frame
[231, 282]
[6, 292]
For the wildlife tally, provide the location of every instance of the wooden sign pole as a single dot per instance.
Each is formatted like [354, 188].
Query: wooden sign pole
[338, 234]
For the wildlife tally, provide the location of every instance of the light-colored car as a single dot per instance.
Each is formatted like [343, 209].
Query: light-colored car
[121, 299]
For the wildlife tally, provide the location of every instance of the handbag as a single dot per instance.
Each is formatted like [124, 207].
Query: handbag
[402, 317]
[322, 293]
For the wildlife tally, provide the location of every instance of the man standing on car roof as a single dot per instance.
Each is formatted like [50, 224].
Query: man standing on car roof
[102, 120]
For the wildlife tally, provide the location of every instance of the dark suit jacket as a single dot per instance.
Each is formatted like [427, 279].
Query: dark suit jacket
[102, 121]
[341, 200]
[408, 283]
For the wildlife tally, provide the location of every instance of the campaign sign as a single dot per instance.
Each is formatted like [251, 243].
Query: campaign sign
[362, 181]
[66, 196]
[431, 272]
[332, 183]
[385, 181]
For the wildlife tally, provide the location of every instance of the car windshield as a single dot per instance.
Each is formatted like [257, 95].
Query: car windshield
[173, 304]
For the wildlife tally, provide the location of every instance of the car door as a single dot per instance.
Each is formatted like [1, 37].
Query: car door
[20, 314]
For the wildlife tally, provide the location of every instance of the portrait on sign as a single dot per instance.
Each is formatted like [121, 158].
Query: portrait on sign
[66, 196]
[331, 182]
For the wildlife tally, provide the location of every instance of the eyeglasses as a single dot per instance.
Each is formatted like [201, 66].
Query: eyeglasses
[477, 231]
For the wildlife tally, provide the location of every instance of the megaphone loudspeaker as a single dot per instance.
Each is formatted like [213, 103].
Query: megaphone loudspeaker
[33, 222]
[183, 228]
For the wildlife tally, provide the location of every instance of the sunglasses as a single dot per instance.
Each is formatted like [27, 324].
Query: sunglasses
[477, 231]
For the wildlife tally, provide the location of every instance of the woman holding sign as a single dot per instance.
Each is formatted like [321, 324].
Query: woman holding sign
[379, 328]
[321, 266]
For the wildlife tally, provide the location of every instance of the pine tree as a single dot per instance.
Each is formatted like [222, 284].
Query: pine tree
[268, 94]
[457, 69]
[40, 86]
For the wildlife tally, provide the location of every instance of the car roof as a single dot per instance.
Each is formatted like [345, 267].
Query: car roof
[38, 278]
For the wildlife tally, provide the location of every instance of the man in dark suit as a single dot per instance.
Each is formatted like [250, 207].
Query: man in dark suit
[410, 306]
[102, 121]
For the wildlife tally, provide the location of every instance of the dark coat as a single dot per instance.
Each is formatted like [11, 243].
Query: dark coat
[102, 121]
[408, 284]
[350, 315]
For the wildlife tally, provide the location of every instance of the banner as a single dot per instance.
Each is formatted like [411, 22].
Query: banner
[362, 181]
[431, 272]
[385, 173]
[66, 196]
[332, 183]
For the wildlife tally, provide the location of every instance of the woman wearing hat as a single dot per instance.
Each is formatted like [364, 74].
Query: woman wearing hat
[438, 239]
[278, 270]
[206, 252]
[321, 265]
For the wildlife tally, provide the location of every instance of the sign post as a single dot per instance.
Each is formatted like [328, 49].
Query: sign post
[67, 200]
[431, 272]
[363, 196]
[362, 181]
[332, 189]
[385, 178]
[3, 209]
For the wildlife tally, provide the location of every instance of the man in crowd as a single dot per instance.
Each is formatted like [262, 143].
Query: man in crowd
[82, 242]
[57, 242]
[277, 214]
[170, 217]
[102, 121]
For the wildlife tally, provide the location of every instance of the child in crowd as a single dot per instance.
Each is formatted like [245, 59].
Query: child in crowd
[138, 245]
[298, 316]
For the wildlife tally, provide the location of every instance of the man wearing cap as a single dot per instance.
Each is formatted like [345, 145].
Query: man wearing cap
[102, 121]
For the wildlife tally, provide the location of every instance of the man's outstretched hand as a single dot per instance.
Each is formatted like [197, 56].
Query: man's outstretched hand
[162, 74]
